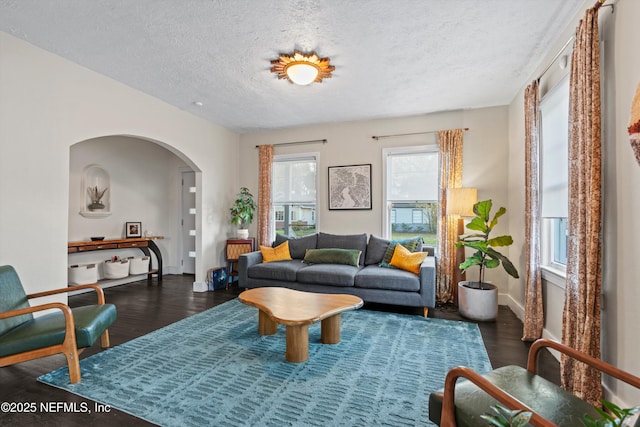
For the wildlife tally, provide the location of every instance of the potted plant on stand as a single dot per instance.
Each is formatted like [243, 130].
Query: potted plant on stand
[479, 300]
[242, 212]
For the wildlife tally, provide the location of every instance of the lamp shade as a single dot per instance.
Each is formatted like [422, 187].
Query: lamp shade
[460, 201]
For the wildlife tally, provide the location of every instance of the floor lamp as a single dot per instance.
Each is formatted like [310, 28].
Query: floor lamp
[460, 203]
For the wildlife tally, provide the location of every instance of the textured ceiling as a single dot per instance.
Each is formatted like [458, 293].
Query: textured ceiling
[392, 57]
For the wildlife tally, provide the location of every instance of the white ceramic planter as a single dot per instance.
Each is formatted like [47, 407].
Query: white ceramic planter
[478, 304]
[243, 233]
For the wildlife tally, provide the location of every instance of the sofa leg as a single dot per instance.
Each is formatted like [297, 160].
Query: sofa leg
[425, 311]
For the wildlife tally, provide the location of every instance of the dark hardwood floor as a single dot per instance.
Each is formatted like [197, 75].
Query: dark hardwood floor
[144, 308]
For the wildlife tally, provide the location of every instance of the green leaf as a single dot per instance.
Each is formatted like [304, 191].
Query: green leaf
[482, 209]
[475, 259]
[616, 410]
[473, 237]
[498, 214]
[479, 246]
[521, 419]
[500, 241]
[494, 421]
[508, 266]
[491, 262]
[589, 421]
[477, 224]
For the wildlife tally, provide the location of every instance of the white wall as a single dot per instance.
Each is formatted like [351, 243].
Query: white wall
[620, 314]
[145, 187]
[48, 104]
[485, 159]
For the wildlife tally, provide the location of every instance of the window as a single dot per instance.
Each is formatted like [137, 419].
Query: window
[554, 172]
[411, 193]
[417, 216]
[294, 202]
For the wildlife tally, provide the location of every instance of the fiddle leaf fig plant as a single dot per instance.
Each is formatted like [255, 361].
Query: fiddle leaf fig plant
[243, 208]
[485, 255]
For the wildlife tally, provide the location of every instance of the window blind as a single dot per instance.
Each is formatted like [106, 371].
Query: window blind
[294, 180]
[554, 159]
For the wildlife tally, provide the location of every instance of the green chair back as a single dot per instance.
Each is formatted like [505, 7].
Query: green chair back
[12, 297]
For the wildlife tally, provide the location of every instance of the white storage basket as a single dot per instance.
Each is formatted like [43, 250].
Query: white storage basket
[138, 265]
[116, 269]
[83, 274]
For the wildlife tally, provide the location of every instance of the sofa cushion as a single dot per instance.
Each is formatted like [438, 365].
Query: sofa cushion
[284, 271]
[328, 274]
[297, 246]
[353, 241]
[408, 261]
[414, 244]
[375, 277]
[332, 256]
[279, 253]
[375, 250]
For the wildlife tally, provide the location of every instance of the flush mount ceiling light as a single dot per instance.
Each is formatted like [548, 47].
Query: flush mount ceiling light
[302, 69]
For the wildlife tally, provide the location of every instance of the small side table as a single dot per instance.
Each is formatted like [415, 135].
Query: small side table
[235, 248]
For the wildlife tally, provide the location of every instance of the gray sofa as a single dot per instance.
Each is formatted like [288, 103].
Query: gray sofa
[368, 280]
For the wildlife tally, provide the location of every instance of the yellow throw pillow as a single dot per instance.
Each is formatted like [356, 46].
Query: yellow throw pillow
[404, 259]
[279, 253]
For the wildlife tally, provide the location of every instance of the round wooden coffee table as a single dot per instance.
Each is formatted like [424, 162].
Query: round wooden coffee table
[297, 310]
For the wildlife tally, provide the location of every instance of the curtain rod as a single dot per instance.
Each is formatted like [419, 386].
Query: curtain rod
[408, 134]
[313, 141]
[599, 5]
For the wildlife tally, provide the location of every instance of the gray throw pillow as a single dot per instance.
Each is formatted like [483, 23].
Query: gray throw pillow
[375, 250]
[297, 246]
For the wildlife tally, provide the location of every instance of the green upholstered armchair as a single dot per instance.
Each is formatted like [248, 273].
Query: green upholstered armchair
[63, 330]
[516, 388]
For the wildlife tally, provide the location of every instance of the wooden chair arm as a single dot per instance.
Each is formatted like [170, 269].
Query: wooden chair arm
[53, 305]
[93, 286]
[448, 404]
[534, 351]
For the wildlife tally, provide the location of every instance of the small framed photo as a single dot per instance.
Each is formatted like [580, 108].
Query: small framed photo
[133, 229]
[350, 187]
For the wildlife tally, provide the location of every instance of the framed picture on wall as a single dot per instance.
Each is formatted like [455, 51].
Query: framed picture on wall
[350, 187]
[133, 229]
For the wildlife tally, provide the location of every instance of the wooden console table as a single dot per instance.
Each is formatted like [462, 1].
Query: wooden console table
[145, 244]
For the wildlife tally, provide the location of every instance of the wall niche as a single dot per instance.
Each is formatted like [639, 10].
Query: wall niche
[96, 192]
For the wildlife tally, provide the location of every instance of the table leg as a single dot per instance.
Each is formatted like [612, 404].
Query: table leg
[266, 325]
[330, 329]
[297, 343]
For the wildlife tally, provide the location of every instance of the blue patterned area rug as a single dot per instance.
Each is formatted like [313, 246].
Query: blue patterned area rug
[215, 369]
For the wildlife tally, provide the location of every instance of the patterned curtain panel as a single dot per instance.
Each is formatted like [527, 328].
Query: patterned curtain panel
[265, 213]
[533, 314]
[450, 146]
[581, 317]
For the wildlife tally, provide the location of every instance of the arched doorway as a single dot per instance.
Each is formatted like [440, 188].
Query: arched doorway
[145, 186]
